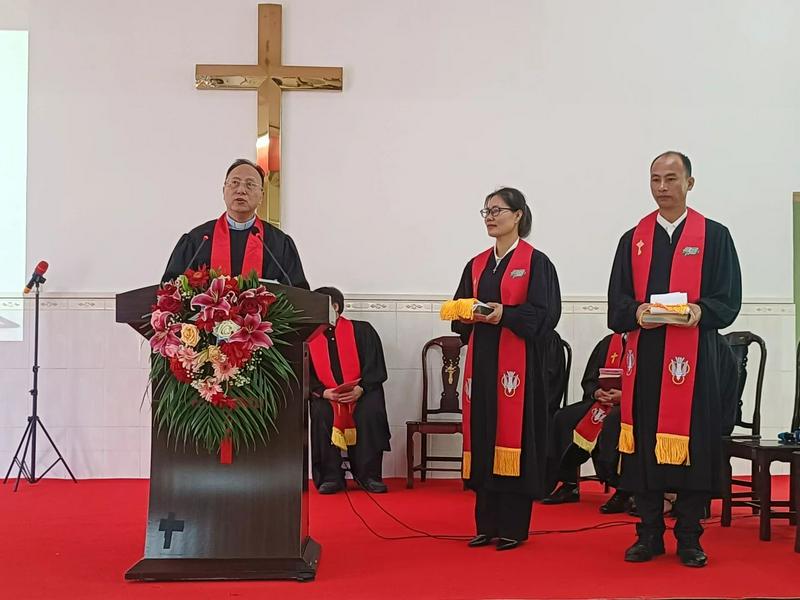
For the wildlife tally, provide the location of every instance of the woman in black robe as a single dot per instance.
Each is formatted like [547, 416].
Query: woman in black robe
[503, 503]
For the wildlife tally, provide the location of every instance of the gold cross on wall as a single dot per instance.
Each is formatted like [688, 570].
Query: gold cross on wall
[269, 77]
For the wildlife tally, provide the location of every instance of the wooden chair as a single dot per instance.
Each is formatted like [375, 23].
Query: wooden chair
[450, 346]
[761, 453]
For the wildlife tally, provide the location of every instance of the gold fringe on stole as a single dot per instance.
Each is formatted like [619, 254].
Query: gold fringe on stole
[672, 449]
[350, 436]
[506, 461]
[338, 439]
[452, 310]
[582, 442]
[626, 439]
[466, 464]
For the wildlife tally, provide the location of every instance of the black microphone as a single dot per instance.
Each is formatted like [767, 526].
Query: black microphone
[36, 277]
[257, 234]
[196, 252]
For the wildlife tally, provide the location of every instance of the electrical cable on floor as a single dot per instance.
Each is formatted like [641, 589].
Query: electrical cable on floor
[460, 538]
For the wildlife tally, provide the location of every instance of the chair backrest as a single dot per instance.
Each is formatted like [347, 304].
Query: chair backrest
[740, 342]
[450, 345]
[565, 385]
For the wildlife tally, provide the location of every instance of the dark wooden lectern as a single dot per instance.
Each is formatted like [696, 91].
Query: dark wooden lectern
[245, 520]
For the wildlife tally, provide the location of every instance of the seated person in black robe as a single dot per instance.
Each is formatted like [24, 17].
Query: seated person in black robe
[566, 457]
[345, 353]
[238, 241]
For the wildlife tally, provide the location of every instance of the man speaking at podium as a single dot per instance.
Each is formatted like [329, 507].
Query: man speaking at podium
[239, 241]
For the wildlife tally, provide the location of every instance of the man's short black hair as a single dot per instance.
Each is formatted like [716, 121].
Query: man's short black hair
[243, 161]
[687, 164]
[336, 296]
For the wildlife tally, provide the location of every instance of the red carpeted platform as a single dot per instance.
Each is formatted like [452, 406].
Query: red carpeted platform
[62, 540]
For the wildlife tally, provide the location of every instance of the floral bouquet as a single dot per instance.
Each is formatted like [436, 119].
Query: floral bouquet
[216, 374]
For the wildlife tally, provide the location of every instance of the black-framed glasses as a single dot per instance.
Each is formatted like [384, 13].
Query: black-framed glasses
[494, 211]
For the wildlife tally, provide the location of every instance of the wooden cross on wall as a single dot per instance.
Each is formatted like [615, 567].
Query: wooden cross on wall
[269, 77]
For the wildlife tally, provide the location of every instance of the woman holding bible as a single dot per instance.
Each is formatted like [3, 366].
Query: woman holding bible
[513, 374]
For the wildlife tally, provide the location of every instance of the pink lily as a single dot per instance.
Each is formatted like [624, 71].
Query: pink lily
[253, 332]
[165, 340]
[213, 303]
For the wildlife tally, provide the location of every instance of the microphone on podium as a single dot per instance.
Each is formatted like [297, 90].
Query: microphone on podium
[196, 252]
[36, 277]
[257, 235]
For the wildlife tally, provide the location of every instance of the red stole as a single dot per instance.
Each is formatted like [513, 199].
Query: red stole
[511, 367]
[221, 249]
[680, 348]
[587, 430]
[344, 426]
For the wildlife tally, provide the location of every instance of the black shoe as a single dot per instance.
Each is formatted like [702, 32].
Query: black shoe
[692, 557]
[480, 540]
[644, 549]
[373, 486]
[566, 492]
[618, 503]
[632, 510]
[507, 544]
[330, 487]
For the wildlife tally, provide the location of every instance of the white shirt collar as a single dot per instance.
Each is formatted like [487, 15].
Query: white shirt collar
[497, 258]
[671, 227]
[236, 226]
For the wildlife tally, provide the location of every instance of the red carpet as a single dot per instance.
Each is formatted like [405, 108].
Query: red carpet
[62, 540]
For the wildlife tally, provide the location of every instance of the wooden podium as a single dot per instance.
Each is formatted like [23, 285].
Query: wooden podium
[245, 520]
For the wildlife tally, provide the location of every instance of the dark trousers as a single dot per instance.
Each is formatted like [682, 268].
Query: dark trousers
[366, 456]
[503, 515]
[689, 508]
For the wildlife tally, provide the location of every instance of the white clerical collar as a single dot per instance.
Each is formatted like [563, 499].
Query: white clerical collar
[497, 258]
[236, 226]
[671, 227]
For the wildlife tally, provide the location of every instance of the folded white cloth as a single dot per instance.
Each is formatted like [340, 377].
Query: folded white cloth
[671, 299]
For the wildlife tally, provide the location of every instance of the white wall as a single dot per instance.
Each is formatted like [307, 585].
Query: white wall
[443, 101]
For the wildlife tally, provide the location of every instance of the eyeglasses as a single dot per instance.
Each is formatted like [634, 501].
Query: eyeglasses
[494, 211]
[251, 185]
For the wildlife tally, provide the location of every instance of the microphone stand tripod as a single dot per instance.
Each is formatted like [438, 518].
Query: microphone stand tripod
[34, 422]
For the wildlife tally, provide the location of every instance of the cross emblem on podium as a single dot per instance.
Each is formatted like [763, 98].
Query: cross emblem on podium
[269, 77]
[169, 526]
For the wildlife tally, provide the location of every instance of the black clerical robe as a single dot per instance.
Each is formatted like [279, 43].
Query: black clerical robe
[534, 321]
[372, 424]
[565, 457]
[280, 244]
[720, 301]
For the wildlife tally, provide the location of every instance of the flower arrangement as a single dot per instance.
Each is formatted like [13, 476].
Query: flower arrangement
[215, 371]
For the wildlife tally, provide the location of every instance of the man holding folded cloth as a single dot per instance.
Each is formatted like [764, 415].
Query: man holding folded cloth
[348, 408]
[672, 400]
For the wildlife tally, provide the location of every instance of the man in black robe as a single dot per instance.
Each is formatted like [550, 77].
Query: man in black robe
[718, 305]
[372, 425]
[243, 193]
[565, 457]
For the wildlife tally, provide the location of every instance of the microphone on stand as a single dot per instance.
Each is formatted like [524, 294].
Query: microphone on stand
[196, 252]
[257, 235]
[36, 277]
